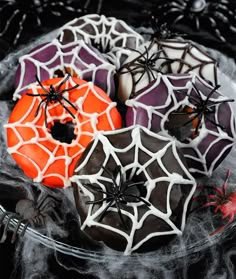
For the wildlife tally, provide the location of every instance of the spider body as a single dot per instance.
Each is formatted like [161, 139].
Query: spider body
[119, 192]
[223, 202]
[52, 96]
[30, 212]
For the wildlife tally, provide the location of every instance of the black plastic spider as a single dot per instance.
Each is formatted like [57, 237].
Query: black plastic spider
[119, 193]
[202, 107]
[145, 63]
[52, 96]
[18, 16]
[218, 17]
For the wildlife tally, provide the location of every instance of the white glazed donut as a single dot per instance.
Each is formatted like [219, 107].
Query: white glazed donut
[163, 56]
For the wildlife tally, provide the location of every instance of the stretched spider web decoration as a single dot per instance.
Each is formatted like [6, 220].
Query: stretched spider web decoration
[166, 191]
[56, 60]
[217, 17]
[19, 18]
[210, 135]
[85, 124]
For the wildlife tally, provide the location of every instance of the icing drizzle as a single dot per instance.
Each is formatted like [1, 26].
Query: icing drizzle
[60, 154]
[135, 167]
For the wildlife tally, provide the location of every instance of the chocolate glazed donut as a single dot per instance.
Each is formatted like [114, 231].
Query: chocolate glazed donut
[128, 194]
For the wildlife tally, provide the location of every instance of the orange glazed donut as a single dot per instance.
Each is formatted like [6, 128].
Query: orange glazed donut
[35, 140]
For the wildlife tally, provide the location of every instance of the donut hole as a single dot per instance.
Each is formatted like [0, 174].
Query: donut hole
[182, 126]
[63, 132]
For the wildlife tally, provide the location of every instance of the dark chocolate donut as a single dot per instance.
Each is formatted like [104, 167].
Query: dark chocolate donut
[127, 192]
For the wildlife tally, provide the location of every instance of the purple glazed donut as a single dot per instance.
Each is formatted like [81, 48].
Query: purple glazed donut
[168, 56]
[113, 37]
[127, 193]
[193, 112]
[54, 60]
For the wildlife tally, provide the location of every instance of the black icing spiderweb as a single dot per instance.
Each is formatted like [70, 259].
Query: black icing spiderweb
[136, 212]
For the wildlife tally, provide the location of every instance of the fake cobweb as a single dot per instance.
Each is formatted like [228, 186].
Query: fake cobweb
[200, 158]
[114, 38]
[176, 176]
[55, 60]
[59, 158]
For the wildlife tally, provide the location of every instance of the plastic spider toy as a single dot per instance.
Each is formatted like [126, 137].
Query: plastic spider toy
[222, 201]
[52, 96]
[119, 192]
[146, 64]
[202, 108]
[217, 17]
[29, 212]
[19, 17]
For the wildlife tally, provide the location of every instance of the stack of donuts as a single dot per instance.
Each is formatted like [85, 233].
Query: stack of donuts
[128, 123]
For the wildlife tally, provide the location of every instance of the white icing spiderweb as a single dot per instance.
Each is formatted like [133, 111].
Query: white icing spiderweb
[200, 157]
[137, 213]
[53, 59]
[111, 36]
[61, 154]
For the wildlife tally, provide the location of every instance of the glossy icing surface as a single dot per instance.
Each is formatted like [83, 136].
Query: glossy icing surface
[55, 60]
[113, 37]
[143, 157]
[30, 142]
[163, 56]
[160, 105]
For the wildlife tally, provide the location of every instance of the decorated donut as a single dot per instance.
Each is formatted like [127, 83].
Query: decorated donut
[53, 59]
[163, 56]
[196, 114]
[113, 37]
[128, 194]
[53, 122]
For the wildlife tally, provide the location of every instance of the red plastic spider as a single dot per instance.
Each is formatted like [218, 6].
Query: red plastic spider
[223, 202]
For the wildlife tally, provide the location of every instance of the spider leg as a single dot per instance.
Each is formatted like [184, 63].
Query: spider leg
[105, 210]
[98, 189]
[220, 102]
[6, 227]
[72, 115]
[20, 29]
[45, 114]
[179, 18]
[41, 85]
[13, 239]
[9, 21]
[217, 31]
[211, 93]
[36, 95]
[117, 170]
[39, 105]
[26, 224]
[69, 102]
[63, 81]
[226, 182]
[213, 122]
[99, 201]
[217, 189]
[198, 123]
[223, 227]
[69, 89]
[120, 215]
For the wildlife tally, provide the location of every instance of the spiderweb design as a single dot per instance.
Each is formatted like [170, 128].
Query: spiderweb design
[164, 56]
[215, 137]
[111, 36]
[54, 59]
[168, 189]
[32, 145]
